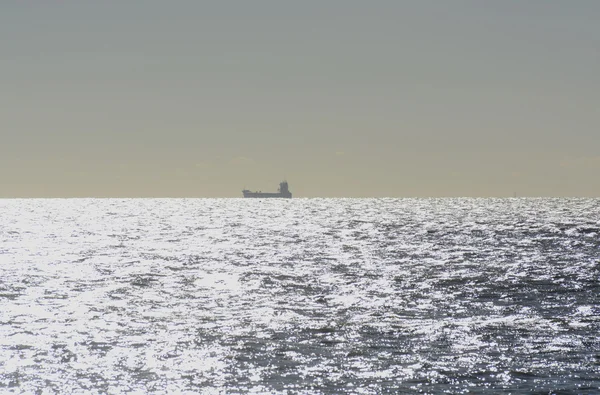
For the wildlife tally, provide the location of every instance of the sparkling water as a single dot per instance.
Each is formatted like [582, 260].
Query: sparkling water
[312, 296]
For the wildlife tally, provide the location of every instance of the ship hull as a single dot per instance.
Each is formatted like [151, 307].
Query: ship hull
[266, 195]
[282, 193]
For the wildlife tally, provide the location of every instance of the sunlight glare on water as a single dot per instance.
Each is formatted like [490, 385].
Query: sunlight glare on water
[317, 296]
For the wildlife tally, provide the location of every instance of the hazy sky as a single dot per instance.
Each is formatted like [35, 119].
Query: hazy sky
[341, 97]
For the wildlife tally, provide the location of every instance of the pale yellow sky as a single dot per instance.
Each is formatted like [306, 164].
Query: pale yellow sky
[341, 97]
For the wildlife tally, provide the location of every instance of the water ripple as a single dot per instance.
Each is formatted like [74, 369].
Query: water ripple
[304, 295]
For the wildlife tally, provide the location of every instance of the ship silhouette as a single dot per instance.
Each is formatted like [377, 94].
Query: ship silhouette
[282, 192]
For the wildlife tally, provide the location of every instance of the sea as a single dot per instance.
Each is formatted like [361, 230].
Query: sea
[300, 296]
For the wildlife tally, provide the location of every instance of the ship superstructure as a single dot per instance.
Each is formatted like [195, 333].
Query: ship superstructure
[282, 192]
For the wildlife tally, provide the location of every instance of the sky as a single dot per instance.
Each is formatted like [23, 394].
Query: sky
[343, 98]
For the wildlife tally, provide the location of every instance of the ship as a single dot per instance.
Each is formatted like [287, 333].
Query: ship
[282, 192]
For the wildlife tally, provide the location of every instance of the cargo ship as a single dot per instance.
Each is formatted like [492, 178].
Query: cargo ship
[283, 192]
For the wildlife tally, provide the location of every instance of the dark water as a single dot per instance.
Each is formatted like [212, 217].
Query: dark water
[315, 296]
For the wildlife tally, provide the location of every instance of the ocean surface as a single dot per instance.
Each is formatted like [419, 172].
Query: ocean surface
[309, 296]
